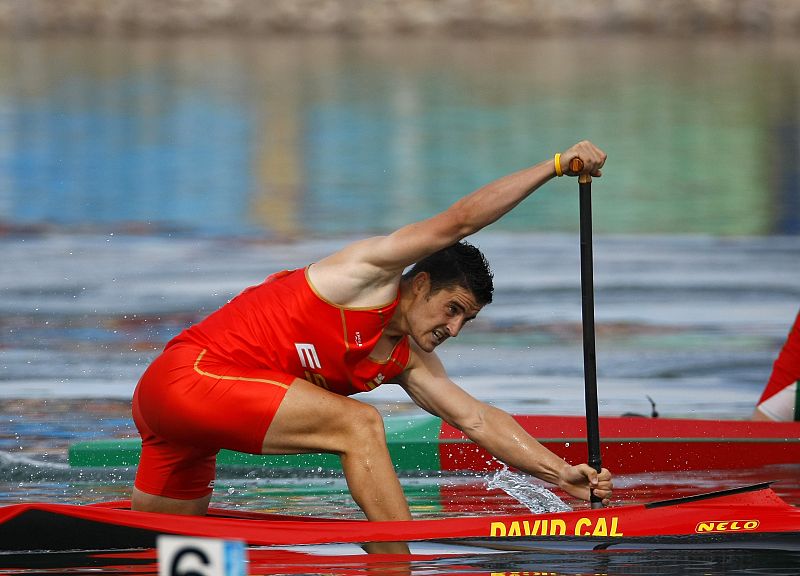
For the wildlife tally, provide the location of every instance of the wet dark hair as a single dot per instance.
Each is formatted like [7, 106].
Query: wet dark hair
[461, 264]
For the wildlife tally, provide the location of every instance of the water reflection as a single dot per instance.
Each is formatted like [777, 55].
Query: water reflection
[299, 136]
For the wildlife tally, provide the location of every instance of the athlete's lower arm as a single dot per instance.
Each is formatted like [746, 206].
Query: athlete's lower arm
[498, 433]
[492, 201]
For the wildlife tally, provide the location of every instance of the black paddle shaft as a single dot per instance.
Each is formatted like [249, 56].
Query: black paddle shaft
[589, 355]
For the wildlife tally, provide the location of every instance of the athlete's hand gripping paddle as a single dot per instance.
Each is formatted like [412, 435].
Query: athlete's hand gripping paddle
[587, 300]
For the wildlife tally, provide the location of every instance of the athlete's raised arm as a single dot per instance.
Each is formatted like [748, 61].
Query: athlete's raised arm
[374, 264]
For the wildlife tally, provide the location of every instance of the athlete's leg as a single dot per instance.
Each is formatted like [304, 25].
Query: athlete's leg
[311, 419]
[173, 477]
[144, 502]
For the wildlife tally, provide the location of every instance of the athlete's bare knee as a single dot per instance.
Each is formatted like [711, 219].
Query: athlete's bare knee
[144, 502]
[365, 429]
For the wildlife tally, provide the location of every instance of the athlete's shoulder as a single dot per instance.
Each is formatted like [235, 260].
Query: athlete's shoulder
[348, 278]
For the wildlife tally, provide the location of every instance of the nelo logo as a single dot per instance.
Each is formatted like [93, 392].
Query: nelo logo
[726, 526]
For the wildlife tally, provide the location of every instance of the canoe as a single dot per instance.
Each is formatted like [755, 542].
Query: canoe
[629, 444]
[742, 517]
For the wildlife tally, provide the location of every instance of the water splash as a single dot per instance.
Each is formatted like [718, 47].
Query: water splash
[537, 499]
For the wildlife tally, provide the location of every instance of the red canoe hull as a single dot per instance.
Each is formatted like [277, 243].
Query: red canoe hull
[738, 515]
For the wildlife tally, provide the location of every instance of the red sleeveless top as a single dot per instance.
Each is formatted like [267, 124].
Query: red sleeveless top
[284, 324]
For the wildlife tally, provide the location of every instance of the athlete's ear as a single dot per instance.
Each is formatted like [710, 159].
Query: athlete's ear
[421, 283]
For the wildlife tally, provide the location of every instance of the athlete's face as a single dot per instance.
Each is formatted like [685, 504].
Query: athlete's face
[437, 316]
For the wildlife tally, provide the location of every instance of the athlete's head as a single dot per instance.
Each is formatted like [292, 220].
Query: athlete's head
[462, 265]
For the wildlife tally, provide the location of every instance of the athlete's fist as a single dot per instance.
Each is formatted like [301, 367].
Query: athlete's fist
[591, 157]
[583, 480]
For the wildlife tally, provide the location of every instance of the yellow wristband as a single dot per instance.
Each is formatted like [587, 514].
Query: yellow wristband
[557, 161]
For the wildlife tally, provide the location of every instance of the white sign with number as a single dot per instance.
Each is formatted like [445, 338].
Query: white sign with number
[184, 556]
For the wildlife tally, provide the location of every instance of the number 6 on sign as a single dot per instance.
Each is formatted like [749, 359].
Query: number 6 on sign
[183, 556]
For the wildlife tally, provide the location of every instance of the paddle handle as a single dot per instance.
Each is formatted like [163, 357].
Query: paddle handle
[587, 314]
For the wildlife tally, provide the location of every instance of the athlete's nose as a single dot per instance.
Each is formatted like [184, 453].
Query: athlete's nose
[454, 327]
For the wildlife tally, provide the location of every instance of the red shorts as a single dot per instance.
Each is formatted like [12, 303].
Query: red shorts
[187, 406]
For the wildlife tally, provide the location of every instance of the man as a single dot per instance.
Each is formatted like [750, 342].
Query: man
[781, 397]
[271, 371]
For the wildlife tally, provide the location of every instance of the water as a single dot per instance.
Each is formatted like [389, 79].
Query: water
[292, 137]
[537, 499]
[145, 182]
